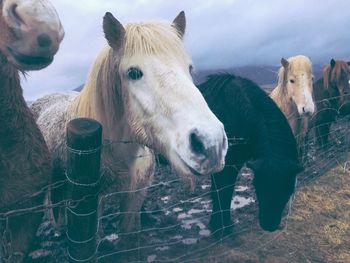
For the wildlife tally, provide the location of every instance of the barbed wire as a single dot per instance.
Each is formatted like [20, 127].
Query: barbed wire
[318, 162]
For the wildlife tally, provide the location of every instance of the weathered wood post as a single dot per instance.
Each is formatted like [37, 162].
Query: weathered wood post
[84, 139]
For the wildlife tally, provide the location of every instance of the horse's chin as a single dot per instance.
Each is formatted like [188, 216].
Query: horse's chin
[28, 62]
[187, 170]
[270, 221]
[181, 167]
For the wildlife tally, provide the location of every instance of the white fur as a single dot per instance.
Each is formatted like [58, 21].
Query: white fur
[305, 103]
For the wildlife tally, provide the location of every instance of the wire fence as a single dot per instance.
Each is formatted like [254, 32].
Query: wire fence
[176, 212]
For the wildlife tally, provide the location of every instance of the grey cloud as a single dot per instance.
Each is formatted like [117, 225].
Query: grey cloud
[220, 34]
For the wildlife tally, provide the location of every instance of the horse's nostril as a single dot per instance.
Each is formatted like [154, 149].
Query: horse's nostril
[304, 110]
[44, 40]
[196, 143]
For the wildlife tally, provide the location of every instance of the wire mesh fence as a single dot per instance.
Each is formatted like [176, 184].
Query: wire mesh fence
[176, 212]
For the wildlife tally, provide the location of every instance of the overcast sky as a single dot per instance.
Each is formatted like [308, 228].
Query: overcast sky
[220, 34]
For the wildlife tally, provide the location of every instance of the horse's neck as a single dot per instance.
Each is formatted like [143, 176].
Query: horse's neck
[14, 113]
[287, 106]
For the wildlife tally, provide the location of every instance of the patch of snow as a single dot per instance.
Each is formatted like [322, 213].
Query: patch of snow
[183, 216]
[177, 237]
[187, 224]
[195, 211]
[205, 233]
[177, 209]
[165, 199]
[162, 248]
[240, 201]
[112, 237]
[190, 241]
[151, 258]
[205, 186]
[241, 188]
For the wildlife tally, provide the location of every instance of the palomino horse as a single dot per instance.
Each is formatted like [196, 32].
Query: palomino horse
[332, 94]
[30, 35]
[294, 95]
[260, 136]
[141, 90]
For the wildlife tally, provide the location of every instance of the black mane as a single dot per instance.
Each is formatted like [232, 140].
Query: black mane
[229, 95]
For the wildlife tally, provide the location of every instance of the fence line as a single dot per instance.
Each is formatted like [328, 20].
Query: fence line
[317, 163]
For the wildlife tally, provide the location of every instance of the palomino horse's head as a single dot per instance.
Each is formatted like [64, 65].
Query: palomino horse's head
[162, 106]
[295, 76]
[336, 79]
[30, 33]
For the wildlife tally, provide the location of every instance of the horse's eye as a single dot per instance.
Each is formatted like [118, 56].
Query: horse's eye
[134, 73]
[291, 80]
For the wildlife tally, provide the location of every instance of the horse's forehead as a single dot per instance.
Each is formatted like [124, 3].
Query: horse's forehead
[157, 39]
[343, 68]
[300, 68]
[340, 69]
[154, 61]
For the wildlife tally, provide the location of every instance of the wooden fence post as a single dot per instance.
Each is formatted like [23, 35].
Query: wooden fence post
[84, 140]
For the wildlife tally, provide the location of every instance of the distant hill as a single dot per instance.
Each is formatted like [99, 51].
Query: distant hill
[79, 88]
[265, 76]
[261, 75]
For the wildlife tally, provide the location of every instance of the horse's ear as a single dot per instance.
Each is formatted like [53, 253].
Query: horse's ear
[114, 31]
[180, 23]
[284, 63]
[332, 63]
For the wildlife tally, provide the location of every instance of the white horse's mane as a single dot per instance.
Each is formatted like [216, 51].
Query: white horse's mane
[154, 38]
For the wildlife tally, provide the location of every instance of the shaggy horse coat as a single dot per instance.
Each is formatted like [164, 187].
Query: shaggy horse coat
[260, 136]
[25, 164]
[332, 95]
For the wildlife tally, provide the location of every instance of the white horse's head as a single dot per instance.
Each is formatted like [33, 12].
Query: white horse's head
[296, 77]
[163, 107]
[30, 33]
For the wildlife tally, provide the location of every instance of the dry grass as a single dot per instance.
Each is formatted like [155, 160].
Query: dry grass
[318, 229]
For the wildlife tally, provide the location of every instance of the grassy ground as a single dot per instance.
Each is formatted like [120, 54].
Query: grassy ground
[317, 230]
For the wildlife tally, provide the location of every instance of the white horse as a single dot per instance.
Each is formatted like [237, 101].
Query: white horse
[140, 89]
[294, 95]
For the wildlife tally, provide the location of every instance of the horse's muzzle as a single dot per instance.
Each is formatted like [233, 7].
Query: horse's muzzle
[208, 153]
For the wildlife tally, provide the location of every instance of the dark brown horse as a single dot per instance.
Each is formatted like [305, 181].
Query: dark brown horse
[30, 34]
[332, 96]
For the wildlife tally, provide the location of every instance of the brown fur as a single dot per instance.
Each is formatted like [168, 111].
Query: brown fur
[332, 95]
[24, 159]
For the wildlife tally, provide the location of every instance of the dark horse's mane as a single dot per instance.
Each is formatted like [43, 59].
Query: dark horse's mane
[228, 94]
